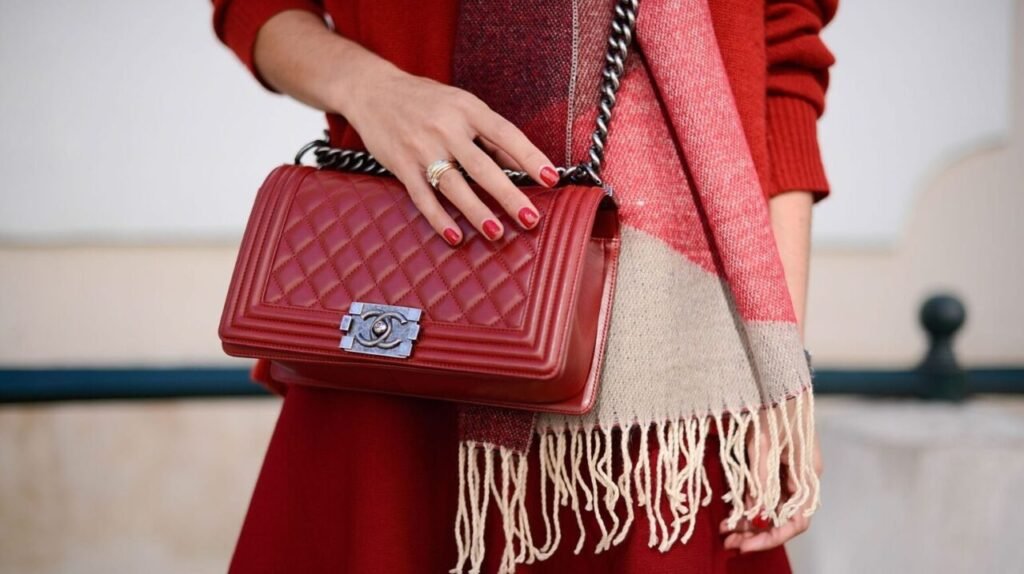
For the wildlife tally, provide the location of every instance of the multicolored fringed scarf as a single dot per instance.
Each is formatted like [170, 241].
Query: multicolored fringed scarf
[703, 336]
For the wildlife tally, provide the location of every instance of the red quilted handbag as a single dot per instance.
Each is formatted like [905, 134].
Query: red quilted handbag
[341, 283]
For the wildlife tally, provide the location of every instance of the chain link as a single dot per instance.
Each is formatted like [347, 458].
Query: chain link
[619, 40]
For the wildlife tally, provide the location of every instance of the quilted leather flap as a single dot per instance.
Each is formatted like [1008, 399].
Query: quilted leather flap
[319, 241]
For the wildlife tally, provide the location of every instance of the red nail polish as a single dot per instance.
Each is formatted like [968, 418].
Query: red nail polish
[451, 236]
[549, 176]
[528, 217]
[491, 229]
[760, 521]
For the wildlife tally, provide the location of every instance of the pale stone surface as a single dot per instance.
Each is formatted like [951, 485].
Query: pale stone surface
[153, 487]
[914, 487]
[162, 487]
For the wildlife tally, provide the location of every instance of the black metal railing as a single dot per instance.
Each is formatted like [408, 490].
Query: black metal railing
[80, 384]
[938, 376]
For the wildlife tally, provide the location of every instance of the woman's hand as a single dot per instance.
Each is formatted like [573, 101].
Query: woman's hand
[407, 122]
[759, 534]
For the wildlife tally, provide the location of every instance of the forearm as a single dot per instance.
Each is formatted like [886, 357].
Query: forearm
[297, 55]
[791, 222]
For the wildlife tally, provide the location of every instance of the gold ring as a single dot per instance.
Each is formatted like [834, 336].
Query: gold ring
[436, 169]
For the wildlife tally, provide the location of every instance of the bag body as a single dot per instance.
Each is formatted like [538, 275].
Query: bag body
[342, 283]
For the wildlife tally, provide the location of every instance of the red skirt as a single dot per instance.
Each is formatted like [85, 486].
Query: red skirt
[362, 483]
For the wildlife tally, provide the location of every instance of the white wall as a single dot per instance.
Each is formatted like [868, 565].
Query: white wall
[128, 121]
[917, 85]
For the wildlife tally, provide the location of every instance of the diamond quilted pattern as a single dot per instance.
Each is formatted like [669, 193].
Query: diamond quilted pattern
[365, 241]
[518, 318]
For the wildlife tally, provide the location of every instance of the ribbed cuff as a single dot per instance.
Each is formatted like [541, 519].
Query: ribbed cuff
[793, 147]
[238, 22]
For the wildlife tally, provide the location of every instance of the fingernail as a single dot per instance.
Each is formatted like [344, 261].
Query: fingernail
[549, 176]
[760, 521]
[528, 217]
[491, 229]
[451, 236]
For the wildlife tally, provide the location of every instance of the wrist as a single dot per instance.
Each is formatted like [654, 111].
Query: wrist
[354, 79]
[810, 362]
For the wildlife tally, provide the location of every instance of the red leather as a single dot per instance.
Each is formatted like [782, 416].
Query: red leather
[519, 323]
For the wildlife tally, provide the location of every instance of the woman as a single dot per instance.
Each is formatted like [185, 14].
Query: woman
[368, 483]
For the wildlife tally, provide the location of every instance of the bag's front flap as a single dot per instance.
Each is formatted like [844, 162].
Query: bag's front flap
[341, 267]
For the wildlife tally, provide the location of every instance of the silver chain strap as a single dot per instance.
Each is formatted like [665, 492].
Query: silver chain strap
[619, 40]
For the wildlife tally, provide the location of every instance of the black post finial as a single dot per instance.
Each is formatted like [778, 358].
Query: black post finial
[942, 316]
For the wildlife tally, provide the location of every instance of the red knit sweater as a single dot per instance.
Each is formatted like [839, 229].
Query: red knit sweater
[776, 62]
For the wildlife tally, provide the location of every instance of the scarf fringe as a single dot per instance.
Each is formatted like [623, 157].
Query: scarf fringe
[671, 488]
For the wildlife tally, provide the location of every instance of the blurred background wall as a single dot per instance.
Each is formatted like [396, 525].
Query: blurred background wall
[132, 145]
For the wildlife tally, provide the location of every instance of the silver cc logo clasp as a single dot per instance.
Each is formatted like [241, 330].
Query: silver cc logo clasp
[375, 329]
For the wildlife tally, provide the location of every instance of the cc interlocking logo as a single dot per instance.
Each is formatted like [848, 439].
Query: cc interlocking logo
[381, 329]
[376, 329]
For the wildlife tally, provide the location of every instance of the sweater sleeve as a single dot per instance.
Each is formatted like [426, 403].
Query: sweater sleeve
[236, 23]
[798, 74]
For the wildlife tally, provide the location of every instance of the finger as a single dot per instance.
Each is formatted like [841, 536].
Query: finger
[500, 156]
[505, 135]
[723, 527]
[735, 539]
[743, 525]
[426, 202]
[485, 172]
[775, 536]
[455, 188]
